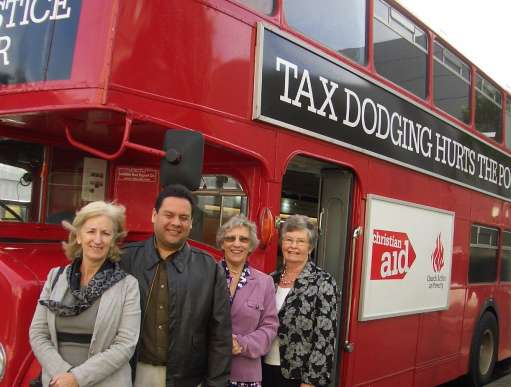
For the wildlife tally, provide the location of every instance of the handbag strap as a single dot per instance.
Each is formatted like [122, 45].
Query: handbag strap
[37, 381]
[55, 279]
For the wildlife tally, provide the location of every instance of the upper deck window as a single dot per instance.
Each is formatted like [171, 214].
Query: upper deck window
[219, 198]
[339, 25]
[488, 109]
[508, 122]
[264, 6]
[451, 83]
[400, 49]
[20, 181]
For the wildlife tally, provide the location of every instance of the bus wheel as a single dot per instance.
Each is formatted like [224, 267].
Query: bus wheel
[483, 352]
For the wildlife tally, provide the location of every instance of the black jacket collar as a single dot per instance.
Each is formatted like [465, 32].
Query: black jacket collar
[178, 259]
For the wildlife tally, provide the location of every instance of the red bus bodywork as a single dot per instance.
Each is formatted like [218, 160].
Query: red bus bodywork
[149, 66]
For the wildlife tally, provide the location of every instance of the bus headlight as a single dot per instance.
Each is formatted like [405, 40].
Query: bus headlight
[3, 361]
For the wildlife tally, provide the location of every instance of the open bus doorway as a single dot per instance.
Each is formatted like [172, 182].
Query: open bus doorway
[322, 191]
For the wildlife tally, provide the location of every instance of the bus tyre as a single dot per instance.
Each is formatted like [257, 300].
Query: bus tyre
[483, 352]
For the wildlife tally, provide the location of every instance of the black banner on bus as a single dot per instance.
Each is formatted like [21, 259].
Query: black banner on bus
[304, 91]
[37, 39]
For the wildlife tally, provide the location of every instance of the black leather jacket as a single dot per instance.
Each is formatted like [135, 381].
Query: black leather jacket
[200, 324]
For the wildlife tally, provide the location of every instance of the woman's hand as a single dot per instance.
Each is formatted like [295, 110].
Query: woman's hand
[66, 379]
[306, 385]
[236, 347]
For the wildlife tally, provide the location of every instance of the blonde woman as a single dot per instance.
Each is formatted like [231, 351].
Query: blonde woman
[87, 321]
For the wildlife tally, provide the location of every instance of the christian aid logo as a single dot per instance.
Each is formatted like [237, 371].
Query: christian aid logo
[437, 258]
[393, 255]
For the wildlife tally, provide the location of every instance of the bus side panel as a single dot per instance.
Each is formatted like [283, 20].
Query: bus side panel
[476, 295]
[440, 341]
[429, 341]
[506, 215]
[32, 372]
[461, 251]
[440, 336]
[504, 293]
[404, 378]
[23, 270]
[403, 184]
[197, 60]
[485, 211]
[92, 49]
[438, 373]
[385, 347]
[503, 296]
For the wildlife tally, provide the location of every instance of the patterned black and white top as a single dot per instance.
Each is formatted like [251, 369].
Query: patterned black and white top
[308, 323]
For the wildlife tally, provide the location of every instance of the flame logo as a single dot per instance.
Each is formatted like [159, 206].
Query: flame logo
[437, 258]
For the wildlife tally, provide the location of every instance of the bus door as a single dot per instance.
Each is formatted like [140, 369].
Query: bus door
[322, 191]
[334, 210]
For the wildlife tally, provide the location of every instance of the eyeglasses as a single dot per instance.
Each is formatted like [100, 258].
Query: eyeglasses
[291, 241]
[232, 238]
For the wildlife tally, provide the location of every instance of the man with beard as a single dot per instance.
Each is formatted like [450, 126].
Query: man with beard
[185, 335]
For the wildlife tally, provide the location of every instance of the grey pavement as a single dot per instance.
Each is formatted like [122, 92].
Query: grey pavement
[502, 374]
[504, 381]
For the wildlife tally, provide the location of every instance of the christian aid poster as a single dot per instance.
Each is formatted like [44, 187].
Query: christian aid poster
[407, 259]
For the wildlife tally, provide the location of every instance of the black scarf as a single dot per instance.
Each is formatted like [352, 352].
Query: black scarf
[108, 275]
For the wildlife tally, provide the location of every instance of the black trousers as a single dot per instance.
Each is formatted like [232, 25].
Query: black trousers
[272, 377]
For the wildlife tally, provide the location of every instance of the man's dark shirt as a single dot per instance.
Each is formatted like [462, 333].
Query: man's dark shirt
[154, 334]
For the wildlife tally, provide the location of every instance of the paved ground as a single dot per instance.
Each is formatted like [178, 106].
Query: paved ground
[501, 382]
[502, 377]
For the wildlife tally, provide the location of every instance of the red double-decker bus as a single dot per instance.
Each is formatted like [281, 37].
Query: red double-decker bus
[352, 112]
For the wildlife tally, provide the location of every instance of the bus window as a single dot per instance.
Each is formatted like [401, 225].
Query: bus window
[264, 6]
[219, 198]
[451, 83]
[483, 254]
[300, 193]
[20, 180]
[488, 109]
[400, 49]
[508, 122]
[339, 25]
[73, 181]
[505, 268]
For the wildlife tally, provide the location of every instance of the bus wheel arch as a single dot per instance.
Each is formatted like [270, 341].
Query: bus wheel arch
[484, 349]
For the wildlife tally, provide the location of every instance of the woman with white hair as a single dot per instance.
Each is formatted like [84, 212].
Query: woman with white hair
[253, 310]
[87, 321]
[303, 352]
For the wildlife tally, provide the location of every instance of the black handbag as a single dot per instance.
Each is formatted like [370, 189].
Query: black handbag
[38, 380]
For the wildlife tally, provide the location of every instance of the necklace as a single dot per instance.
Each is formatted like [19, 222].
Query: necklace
[234, 271]
[285, 277]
